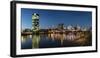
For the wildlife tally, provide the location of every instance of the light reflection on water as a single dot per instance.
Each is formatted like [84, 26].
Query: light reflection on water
[53, 40]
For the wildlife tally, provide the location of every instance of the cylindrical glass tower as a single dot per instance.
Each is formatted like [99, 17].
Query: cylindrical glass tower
[35, 22]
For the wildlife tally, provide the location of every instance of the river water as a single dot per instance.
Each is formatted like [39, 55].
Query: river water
[53, 40]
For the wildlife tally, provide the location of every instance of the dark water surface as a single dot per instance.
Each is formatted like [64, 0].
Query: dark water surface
[53, 40]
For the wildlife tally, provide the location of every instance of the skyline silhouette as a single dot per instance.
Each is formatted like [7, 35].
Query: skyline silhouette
[54, 17]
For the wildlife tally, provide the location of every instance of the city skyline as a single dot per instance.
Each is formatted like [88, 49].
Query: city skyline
[55, 17]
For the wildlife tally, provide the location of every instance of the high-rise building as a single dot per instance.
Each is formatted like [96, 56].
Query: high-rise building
[35, 22]
[61, 26]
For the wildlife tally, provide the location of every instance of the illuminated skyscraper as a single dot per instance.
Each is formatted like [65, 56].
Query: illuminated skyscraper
[35, 22]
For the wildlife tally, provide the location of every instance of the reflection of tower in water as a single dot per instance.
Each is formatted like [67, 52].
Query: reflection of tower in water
[35, 41]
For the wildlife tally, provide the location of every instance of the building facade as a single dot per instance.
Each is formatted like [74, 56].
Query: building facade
[35, 22]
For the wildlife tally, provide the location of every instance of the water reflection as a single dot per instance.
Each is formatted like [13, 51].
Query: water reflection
[55, 40]
[35, 41]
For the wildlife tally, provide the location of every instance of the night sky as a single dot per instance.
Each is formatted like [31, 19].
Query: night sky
[54, 17]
